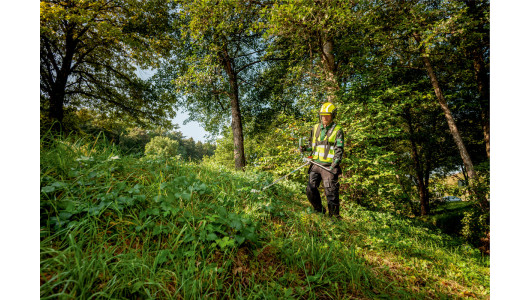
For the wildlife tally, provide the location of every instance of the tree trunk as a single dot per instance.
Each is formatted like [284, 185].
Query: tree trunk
[58, 90]
[447, 112]
[426, 178]
[424, 197]
[330, 69]
[237, 128]
[422, 185]
[56, 110]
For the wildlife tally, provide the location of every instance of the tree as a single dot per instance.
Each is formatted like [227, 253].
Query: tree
[426, 35]
[161, 146]
[473, 36]
[428, 144]
[219, 51]
[90, 51]
[429, 24]
[316, 32]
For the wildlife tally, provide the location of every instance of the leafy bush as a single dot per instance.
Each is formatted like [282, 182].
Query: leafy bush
[161, 147]
[476, 225]
[134, 141]
[223, 230]
[274, 150]
[224, 151]
[121, 227]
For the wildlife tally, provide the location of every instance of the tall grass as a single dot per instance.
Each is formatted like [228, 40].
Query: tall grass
[114, 226]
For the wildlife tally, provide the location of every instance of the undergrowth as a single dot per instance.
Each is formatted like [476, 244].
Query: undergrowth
[114, 226]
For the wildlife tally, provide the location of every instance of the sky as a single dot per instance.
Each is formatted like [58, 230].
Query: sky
[192, 129]
[20, 176]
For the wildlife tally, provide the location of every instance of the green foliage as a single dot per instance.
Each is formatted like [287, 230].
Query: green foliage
[475, 226]
[224, 150]
[476, 223]
[224, 230]
[159, 227]
[274, 150]
[315, 34]
[161, 147]
[134, 141]
[90, 52]
[217, 56]
[448, 216]
[195, 151]
[117, 226]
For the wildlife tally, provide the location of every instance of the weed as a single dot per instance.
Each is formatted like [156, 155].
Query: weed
[117, 226]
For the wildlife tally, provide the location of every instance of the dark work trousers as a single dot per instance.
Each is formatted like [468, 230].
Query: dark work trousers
[331, 188]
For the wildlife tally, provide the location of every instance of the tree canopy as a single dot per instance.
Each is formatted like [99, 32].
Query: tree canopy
[90, 52]
[410, 80]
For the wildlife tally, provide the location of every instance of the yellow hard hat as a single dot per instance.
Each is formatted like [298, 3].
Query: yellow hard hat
[328, 109]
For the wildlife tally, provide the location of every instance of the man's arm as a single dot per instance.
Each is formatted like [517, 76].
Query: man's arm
[308, 147]
[309, 142]
[339, 148]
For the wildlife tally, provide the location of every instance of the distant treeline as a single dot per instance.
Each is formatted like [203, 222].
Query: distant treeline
[130, 139]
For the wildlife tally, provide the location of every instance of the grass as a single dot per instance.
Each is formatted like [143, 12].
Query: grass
[130, 228]
[448, 216]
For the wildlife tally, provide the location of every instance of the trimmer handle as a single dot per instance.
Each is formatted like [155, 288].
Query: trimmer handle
[300, 146]
[310, 160]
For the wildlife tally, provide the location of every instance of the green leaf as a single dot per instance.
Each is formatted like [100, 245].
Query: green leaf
[137, 286]
[59, 184]
[153, 211]
[139, 198]
[211, 237]
[64, 215]
[239, 239]
[236, 224]
[48, 189]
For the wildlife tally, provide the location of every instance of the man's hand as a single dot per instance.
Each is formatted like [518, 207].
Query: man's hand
[334, 164]
[301, 149]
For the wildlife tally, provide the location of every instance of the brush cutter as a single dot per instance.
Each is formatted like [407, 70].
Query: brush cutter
[308, 160]
[256, 191]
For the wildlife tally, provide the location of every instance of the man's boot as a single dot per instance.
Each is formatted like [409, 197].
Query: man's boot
[334, 211]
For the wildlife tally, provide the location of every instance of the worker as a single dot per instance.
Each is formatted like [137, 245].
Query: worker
[326, 142]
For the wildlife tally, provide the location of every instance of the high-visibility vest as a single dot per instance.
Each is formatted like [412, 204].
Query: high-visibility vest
[324, 150]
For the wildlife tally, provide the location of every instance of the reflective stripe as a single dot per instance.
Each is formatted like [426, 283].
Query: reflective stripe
[324, 148]
[319, 150]
[319, 157]
[327, 109]
[319, 153]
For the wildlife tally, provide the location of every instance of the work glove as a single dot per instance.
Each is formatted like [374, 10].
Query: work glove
[334, 164]
[304, 149]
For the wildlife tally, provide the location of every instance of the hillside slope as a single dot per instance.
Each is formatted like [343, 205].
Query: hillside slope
[128, 228]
